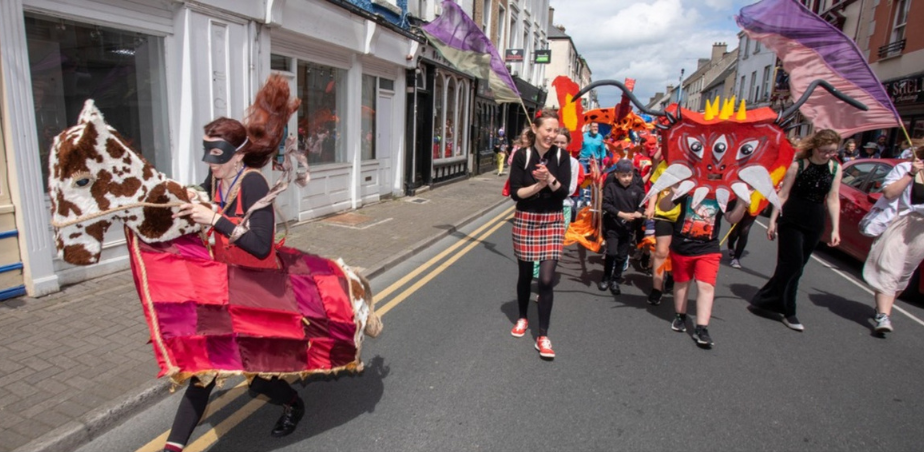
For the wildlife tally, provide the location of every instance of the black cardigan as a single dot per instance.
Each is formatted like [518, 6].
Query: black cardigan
[521, 175]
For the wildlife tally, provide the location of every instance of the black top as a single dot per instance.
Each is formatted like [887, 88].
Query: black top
[813, 182]
[696, 231]
[558, 162]
[258, 241]
[917, 193]
[617, 198]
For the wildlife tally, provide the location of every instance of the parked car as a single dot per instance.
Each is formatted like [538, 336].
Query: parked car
[861, 186]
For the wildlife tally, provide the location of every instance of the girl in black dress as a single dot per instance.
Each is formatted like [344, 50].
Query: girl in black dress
[810, 185]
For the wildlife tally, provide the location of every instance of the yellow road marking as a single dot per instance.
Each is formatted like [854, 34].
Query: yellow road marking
[397, 284]
[212, 435]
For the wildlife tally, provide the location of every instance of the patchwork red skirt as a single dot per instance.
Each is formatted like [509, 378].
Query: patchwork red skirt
[538, 236]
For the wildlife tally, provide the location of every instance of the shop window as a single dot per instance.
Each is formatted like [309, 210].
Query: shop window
[323, 93]
[123, 72]
[368, 118]
[449, 132]
[438, 115]
[918, 130]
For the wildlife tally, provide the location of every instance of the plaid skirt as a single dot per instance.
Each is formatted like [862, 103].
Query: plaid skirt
[538, 236]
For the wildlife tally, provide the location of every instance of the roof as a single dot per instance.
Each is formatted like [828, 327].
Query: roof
[721, 78]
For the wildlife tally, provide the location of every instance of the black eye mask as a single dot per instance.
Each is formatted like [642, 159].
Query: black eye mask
[218, 152]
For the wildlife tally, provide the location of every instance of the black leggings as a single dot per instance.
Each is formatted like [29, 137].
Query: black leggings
[738, 237]
[546, 279]
[196, 398]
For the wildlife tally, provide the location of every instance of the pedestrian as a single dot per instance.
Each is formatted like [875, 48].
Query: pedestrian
[235, 153]
[809, 187]
[539, 180]
[849, 152]
[592, 147]
[562, 141]
[882, 148]
[896, 254]
[870, 151]
[517, 145]
[663, 231]
[500, 151]
[695, 255]
[908, 147]
[622, 200]
[738, 236]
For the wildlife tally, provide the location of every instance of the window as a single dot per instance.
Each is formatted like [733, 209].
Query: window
[367, 122]
[766, 82]
[756, 47]
[320, 130]
[122, 71]
[501, 22]
[752, 96]
[857, 174]
[741, 89]
[745, 44]
[901, 17]
[512, 37]
[486, 17]
[877, 179]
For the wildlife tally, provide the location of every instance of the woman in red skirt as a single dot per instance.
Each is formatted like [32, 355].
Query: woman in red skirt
[539, 180]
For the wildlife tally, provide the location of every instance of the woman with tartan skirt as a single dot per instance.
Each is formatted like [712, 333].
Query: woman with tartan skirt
[540, 176]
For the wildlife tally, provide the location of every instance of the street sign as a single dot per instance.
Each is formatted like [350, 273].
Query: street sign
[543, 56]
[513, 56]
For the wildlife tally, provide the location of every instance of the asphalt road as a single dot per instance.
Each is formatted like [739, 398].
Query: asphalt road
[446, 374]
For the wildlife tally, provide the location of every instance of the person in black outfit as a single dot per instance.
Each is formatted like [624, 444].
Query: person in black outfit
[738, 236]
[235, 153]
[540, 176]
[810, 185]
[622, 209]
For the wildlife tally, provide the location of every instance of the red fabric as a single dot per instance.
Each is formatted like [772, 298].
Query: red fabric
[232, 254]
[506, 190]
[703, 268]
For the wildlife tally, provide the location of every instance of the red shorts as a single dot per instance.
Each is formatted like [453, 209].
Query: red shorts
[704, 268]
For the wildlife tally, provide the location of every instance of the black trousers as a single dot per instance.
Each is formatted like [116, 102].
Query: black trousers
[795, 246]
[618, 242]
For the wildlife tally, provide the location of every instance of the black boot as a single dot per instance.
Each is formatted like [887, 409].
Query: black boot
[608, 265]
[616, 276]
[291, 414]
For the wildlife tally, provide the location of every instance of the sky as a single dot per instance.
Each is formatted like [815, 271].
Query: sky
[648, 40]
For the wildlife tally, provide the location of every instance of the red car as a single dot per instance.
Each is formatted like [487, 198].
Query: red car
[860, 187]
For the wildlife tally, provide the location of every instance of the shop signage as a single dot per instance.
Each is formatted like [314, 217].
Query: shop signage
[513, 56]
[543, 56]
[906, 91]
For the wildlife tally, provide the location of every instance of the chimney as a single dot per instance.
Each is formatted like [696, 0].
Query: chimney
[551, 16]
[560, 28]
[718, 50]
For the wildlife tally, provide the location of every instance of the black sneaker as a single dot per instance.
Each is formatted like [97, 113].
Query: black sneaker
[654, 298]
[680, 323]
[614, 287]
[603, 284]
[291, 414]
[701, 336]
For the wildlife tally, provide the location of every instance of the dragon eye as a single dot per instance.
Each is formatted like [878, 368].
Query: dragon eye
[720, 146]
[695, 146]
[747, 149]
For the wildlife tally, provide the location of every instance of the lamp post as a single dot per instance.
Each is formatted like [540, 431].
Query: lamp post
[680, 89]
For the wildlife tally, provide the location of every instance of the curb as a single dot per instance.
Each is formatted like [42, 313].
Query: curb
[90, 426]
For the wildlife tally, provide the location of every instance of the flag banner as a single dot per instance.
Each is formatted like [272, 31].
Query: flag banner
[812, 49]
[461, 42]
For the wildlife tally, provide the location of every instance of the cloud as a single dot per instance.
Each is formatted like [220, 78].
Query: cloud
[650, 41]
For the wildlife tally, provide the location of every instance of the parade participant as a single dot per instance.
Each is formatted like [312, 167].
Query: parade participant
[235, 152]
[908, 147]
[592, 146]
[810, 184]
[897, 253]
[663, 231]
[621, 205]
[738, 236]
[695, 255]
[500, 151]
[882, 148]
[562, 141]
[539, 180]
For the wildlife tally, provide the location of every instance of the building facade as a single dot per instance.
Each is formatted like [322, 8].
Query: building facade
[160, 70]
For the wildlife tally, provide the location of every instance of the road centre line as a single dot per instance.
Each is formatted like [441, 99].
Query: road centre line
[857, 283]
[401, 282]
[211, 436]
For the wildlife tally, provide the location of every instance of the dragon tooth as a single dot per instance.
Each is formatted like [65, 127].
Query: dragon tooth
[759, 178]
[721, 196]
[683, 189]
[672, 175]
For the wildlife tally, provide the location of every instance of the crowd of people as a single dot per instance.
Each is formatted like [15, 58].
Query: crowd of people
[678, 243]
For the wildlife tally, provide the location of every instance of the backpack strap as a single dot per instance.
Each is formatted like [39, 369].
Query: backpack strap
[833, 167]
[528, 155]
[801, 167]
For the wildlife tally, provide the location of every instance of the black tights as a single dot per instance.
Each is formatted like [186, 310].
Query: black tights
[738, 237]
[546, 279]
[196, 398]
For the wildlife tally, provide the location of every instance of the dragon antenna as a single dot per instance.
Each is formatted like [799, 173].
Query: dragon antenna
[785, 114]
[625, 90]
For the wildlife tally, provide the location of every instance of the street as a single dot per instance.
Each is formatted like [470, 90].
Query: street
[447, 375]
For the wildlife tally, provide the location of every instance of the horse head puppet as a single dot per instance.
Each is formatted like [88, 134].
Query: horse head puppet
[96, 178]
[720, 152]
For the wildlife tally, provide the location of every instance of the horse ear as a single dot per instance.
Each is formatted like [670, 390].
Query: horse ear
[90, 113]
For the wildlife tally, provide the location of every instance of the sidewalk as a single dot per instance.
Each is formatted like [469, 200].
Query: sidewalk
[75, 363]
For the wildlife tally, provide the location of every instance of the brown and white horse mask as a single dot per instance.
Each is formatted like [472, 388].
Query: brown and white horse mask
[95, 178]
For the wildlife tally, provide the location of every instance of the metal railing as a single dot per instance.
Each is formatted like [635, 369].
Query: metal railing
[892, 49]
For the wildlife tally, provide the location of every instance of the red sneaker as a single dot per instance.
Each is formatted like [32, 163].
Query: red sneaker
[544, 345]
[520, 328]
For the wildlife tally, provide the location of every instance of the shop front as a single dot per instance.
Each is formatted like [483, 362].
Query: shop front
[487, 125]
[907, 93]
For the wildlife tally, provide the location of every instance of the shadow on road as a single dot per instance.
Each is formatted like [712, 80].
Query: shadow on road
[855, 311]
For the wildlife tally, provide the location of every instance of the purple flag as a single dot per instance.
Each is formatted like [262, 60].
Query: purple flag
[811, 49]
[461, 42]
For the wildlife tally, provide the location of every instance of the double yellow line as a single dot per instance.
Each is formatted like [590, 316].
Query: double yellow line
[212, 436]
